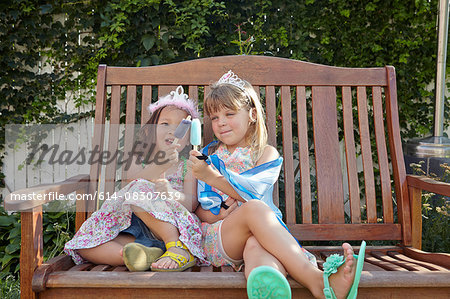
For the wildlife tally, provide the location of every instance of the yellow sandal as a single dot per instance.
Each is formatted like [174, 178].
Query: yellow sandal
[183, 263]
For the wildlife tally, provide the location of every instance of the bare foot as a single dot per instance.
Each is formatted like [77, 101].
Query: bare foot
[342, 280]
[167, 262]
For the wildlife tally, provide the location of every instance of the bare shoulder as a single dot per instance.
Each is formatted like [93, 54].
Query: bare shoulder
[269, 154]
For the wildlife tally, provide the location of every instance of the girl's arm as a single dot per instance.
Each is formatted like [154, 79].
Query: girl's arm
[153, 171]
[212, 177]
[269, 154]
[207, 216]
[150, 172]
[190, 192]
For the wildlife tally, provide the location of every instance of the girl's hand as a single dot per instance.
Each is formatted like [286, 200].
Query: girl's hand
[207, 216]
[171, 156]
[199, 168]
[166, 191]
[232, 205]
[162, 185]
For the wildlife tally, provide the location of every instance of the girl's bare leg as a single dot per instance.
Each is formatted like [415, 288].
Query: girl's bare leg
[163, 231]
[255, 255]
[109, 253]
[255, 218]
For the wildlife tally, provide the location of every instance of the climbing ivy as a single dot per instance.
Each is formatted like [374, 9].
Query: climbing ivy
[75, 36]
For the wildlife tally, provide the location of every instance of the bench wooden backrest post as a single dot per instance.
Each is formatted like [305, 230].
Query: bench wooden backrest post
[336, 108]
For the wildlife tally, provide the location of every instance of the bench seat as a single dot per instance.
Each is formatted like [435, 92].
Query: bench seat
[388, 271]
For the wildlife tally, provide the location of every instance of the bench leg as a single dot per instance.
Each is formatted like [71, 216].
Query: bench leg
[31, 251]
[415, 198]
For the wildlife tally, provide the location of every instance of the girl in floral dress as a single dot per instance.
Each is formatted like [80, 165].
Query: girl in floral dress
[241, 223]
[153, 212]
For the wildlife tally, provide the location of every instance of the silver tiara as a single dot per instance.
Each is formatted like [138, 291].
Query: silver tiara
[233, 79]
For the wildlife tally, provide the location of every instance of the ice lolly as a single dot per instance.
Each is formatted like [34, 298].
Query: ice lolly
[182, 129]
[196, 133]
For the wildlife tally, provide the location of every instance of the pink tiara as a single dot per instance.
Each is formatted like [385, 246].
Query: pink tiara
[233, 79]
[178, 99]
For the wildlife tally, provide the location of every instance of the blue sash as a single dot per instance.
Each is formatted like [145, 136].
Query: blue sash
[255, 183]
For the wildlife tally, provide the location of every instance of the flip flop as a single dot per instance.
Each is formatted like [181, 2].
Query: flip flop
[359, 266]
[138, 257]
[331, 266]
[267, 282]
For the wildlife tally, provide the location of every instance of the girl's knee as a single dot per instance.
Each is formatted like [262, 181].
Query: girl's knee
[257, 207]
[137, 209]
[252, 244]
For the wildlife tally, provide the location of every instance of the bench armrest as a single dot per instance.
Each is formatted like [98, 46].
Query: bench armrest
[32, 197]
[32, 244]
[428, 184]
[415, 186]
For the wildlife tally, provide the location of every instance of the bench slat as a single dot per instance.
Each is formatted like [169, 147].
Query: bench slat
[288, 153]
[82, 267]
[350, 151]
[271, 115]
[193, 93]
[369, 181]
[405, 258]
[385, 265]
[218, 280]
[165, 89]
[272, 130]
[328, 162]
[113, 138]
[208, 134]
[146, 100]
[99, 134]
[326, 232]
[227, 269]
[383, 161]
[120, 269]
[303, 154]
[130, 121]
[261, 72]
[404, 264]
[101, 268]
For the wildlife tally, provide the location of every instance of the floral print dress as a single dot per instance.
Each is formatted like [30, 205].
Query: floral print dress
[115, 214]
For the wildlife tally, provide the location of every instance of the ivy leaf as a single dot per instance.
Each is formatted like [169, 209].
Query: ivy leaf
[148, 41]
[345, 13]
[11, 248]
[155, 59]
[165, 37]
[46, 8]
[7, 220]
[145, 62]
[6, 259]
[14, 233]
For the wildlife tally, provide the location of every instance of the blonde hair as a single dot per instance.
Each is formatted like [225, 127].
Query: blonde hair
[225, 95]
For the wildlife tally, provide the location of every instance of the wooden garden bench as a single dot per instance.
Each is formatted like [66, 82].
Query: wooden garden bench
[359, 104]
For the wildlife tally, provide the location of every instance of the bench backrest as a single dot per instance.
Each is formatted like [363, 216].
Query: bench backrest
[314, 107]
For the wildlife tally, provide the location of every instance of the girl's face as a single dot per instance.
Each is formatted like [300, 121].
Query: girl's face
[168, 121]
[231, 126]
